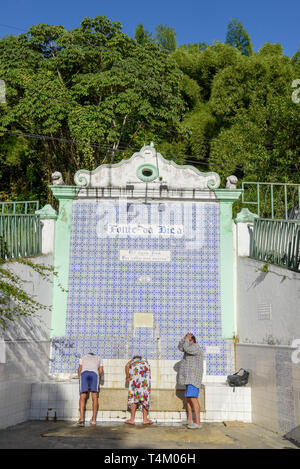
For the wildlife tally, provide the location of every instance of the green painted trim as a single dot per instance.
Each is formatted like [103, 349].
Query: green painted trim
[142, 177]
[23, 205]
[228, 195]
[64, 192]
[226, 198]
[65, 195]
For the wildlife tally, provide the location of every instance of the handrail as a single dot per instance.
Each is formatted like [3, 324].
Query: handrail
[26, 207]
[20, 236]
[273, 199]
[277, 242]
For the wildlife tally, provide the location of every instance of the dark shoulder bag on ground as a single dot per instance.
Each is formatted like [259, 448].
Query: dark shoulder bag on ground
[240, 378]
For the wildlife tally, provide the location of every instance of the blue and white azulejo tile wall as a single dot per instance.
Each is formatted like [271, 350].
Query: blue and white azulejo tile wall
[161, 259]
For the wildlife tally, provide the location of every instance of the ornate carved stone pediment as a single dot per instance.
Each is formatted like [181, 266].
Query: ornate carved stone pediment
[147, 167]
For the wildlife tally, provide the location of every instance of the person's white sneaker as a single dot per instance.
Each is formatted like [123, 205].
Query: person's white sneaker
[194, 425]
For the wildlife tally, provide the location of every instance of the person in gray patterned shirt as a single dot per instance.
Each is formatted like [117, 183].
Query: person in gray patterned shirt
[190, 375]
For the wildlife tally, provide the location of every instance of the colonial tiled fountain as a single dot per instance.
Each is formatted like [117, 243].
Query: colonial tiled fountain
[144, 254]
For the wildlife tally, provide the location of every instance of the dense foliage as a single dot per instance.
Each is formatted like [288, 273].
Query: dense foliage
[79, 98]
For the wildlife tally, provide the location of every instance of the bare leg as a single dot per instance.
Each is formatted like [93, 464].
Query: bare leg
[82, 400]
[196, 407]
[189, 410]
[133, 410]
[95, 405]
[146, 421]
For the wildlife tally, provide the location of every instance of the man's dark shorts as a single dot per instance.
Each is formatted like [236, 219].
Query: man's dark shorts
[89, 381]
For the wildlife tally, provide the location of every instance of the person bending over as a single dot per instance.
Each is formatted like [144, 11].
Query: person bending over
[89, 369]
[138, 376]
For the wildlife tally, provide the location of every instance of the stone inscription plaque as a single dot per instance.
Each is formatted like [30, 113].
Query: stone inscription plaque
[136, 255]
[143, 320]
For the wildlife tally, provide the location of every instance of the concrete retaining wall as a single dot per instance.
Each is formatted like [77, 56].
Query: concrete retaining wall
[268, 309]
[25, 348]
[15, 402]
[275, 385]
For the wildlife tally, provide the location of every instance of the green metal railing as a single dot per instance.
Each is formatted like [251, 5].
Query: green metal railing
[20, 236]
[273, 200]
[22, 208]
[277, 242]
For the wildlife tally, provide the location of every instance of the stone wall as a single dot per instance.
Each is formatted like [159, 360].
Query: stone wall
[268, 329]
[25, 342]
[275, 385]
[267, 303]
[25, 348]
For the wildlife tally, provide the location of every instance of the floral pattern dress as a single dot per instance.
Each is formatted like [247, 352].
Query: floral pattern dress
[139, 384]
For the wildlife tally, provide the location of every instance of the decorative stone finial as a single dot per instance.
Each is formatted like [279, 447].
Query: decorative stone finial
[57, 179]
[245, 216]
[231, 182]
[47, 212]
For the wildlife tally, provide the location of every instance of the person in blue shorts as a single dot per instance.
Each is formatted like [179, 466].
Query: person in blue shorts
[89, 369]
[190, 374]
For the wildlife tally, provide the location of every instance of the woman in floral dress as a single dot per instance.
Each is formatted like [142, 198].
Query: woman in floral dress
[138, 377]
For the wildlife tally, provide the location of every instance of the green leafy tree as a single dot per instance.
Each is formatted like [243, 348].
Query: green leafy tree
[98, 95]
[296, 61]
[165, 37]
[258, 122]
[141, 35]
[269, 49]
[202, 128]
[202, 64]
[92, 89]
[238, 37]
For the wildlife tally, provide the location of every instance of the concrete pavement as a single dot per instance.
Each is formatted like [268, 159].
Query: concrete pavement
[64, 435]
